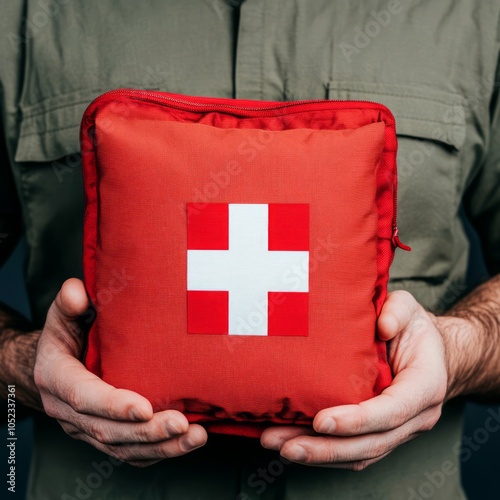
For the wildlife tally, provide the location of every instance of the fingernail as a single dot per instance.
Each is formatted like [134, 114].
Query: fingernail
[187, 443]
[297, 454]
[328, 426]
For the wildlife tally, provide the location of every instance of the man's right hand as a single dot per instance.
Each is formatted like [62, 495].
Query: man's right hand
[118, 422]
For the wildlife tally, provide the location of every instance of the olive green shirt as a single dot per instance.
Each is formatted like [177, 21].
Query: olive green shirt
[433, 63]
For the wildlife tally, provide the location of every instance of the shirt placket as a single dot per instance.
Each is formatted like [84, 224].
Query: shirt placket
[256, 74]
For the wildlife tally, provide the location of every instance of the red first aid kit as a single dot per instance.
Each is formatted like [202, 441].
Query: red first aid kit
[237, 253]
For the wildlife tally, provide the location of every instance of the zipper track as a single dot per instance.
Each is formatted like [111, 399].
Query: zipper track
[185, 104]
[199, 105]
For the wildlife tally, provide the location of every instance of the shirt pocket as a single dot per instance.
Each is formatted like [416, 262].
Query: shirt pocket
[431, 130]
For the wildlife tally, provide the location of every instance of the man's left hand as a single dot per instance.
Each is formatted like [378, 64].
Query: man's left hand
[356, 436]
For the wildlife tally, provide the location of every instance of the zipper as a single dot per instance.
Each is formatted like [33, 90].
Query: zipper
[198, 104]
[396, 241]
[208, 104]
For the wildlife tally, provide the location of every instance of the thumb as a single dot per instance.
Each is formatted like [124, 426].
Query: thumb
[63, 325]
[398, 311]
[71, 301]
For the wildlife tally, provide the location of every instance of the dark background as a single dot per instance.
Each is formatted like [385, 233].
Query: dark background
[481, 472]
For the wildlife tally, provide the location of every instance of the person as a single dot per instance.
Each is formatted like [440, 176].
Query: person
[434, 64]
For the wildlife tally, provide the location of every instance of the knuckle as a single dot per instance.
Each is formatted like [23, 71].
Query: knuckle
[70, 430]
[97, 431]
[431, 420]
[119, 452]
[154, 430]
[437, 412]
[440, 394]
[160, 451]
[74, 399]
[359, 466]
[42, 375]
[38, 376]
[427, 425]
[403, 295]
[401, 412]
[148, 432]
[110, 407]
[328, 456]
[358, 421]
[50, 410]
[105, 437]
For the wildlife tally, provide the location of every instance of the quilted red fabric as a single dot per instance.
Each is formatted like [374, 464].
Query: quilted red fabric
[237, 253]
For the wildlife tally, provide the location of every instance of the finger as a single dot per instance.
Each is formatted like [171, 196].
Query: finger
[397, 313]
[71, 301]
[67, 378]
[274, 437]
[411, 392]
[87, 394]
[164, 425]
[357, 465]
[194, 438]
[314, 450]
[326, 450]
[63, 330]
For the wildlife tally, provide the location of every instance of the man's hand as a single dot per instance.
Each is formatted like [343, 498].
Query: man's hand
[355, 436]
[118, 422]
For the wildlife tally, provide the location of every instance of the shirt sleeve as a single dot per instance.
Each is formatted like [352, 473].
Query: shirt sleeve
[12, 49]
[482, 200]
[10, 212]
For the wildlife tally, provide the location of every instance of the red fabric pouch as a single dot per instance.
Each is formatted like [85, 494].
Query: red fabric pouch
[237, 253]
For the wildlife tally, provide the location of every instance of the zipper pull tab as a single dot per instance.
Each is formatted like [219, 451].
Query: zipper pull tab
[397, 242]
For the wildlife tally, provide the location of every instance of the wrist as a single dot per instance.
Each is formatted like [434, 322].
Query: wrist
[463, 354]
[17, 360]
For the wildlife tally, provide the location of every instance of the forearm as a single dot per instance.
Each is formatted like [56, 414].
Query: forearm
[471, 332]
[17, 358]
